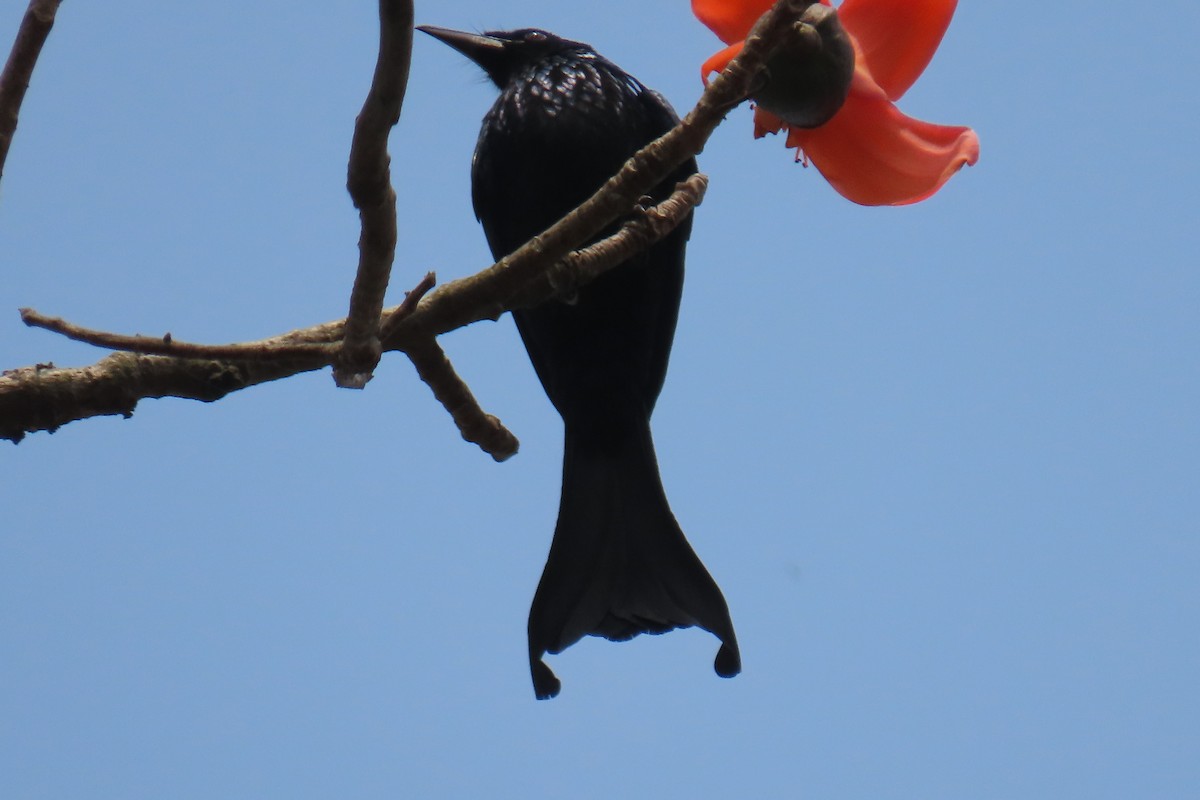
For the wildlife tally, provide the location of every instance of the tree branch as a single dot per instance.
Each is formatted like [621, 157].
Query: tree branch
[35, 27]
[455, 396]
[166, 345]
[369, 182]
[43, 397]
[648, 225]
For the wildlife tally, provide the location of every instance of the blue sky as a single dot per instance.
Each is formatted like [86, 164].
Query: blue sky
[943, 459]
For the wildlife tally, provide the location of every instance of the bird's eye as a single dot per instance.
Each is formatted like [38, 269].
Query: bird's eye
[535, 36]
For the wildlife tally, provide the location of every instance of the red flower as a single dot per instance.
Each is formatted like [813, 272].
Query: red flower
[869, 152]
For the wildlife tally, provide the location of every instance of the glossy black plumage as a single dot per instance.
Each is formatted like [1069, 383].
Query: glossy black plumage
[619, 565]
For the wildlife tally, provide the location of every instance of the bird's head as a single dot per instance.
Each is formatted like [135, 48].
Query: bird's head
[501, 54]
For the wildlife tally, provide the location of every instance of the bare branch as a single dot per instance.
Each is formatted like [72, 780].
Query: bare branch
[411, 299]
[647, 226]
[44, 397]
[165, 345]
[35, 27]
[455, 396]
[369, 182]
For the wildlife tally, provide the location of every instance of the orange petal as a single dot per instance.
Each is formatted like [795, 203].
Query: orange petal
[896, 38]
[765, 122]
[874, 155]
[718, 61]
[730, 20]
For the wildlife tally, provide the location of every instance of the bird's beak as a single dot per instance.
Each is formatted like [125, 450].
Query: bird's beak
[486, 51]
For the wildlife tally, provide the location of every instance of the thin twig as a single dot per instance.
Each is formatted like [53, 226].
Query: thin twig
[35, 27]
[411, 299]
[369, 182]
[277, 349]
[166, 345]
[452, 392]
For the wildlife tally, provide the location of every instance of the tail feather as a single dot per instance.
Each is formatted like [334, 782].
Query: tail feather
[619, 564]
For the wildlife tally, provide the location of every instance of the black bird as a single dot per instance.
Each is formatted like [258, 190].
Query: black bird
[619, 565]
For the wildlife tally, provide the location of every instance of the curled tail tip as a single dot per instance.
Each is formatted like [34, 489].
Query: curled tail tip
[545, 683]
[728, 661]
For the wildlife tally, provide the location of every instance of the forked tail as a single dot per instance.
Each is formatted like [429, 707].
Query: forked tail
[619, 564]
